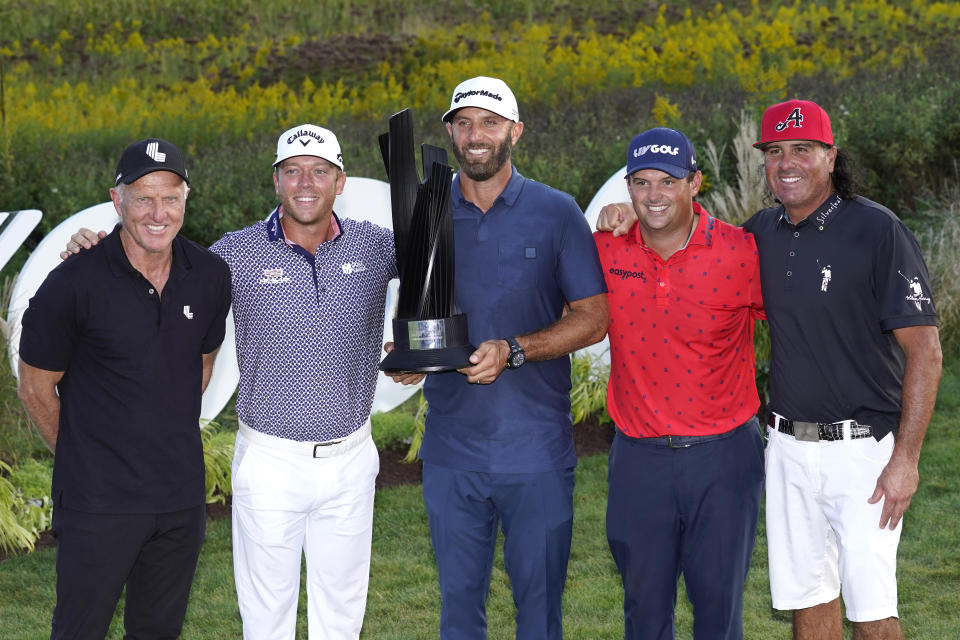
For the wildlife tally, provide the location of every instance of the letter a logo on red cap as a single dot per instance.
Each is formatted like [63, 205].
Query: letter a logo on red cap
[795, 117]
[795, 120]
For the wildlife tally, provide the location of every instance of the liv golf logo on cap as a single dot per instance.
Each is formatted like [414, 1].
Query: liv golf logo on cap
[655, 148]
[662, 149]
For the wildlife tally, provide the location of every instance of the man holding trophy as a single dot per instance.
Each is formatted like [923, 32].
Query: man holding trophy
[498, 445]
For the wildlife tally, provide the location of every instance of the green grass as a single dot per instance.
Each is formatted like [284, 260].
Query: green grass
[404, 599]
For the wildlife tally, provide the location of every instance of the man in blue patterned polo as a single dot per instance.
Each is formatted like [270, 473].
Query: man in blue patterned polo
[308, 301]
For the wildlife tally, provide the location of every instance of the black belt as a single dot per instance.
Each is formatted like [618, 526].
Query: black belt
[825, 430]
[682, 442]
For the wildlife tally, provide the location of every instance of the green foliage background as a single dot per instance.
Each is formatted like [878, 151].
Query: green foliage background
[221, 79]
[80, 79]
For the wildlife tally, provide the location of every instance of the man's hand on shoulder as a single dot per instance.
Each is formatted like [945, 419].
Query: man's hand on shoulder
[82, 239]
[618, 217]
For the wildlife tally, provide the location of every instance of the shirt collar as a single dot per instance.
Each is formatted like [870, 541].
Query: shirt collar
[275, 229]
[702, 235]
[120, 264]
[821, 216]
[509, 194]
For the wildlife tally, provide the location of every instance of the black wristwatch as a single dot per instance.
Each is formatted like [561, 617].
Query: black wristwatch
[517, 355]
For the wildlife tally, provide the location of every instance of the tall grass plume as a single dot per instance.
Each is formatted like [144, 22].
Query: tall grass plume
[734, 203]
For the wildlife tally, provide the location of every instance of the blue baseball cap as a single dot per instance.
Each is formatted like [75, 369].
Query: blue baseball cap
[663, 149]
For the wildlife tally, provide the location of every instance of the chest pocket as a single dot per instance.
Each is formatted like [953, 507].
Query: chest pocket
[519, 264]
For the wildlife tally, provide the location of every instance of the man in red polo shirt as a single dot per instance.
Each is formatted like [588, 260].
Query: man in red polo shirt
[686, 465]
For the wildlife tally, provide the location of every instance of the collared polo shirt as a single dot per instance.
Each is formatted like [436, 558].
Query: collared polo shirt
[130, 396]
[681, 331]
[835, 287]
[516, 264]
[309, 326]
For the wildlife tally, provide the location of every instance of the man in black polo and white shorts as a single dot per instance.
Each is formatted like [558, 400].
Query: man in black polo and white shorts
[853, 379]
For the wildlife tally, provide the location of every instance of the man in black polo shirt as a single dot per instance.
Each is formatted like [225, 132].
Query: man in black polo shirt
[853, 379]
[117, 346]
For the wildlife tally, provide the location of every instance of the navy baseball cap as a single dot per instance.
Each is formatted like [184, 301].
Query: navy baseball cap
[147, 156]
[663, 149]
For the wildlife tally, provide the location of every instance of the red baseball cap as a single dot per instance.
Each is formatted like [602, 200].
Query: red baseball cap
[795, 120]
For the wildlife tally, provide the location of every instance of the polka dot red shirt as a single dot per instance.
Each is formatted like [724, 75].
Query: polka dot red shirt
[681, 331]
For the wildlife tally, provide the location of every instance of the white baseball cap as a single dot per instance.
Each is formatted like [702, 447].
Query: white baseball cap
[309, 140]
[491, 94]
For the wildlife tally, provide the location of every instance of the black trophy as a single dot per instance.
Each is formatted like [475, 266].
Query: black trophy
[429, 332]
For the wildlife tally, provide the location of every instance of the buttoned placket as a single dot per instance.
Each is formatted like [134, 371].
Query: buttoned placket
[159, 303]
[154, 297]
[320, 260]
[824, 214]
[662, 272]
[793, 253]
[315, 261]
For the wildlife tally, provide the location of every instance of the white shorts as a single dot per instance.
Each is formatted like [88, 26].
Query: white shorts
[821, 531]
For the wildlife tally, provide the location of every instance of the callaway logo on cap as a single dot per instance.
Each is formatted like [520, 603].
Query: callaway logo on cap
[309, 140]
[491, 94]
[795, 120]
[147, 156]
[663, 149]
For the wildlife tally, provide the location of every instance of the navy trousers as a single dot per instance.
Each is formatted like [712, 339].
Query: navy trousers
[154, 555]
[690, 510]
[535, 510]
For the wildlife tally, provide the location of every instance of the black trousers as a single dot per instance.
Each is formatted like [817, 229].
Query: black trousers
[154, 555]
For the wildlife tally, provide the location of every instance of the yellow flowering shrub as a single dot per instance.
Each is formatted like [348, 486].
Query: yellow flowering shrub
[112, 78]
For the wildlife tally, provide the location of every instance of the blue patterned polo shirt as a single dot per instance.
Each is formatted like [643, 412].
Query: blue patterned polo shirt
[309, 328]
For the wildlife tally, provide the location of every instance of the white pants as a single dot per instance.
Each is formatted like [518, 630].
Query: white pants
[287, 503]
[822, 533]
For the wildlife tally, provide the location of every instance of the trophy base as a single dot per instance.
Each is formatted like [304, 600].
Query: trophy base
[429, 346]
[427, 360]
